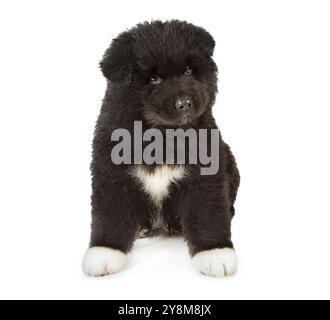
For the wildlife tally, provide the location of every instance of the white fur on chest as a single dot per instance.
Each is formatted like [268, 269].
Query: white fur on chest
[156, 184]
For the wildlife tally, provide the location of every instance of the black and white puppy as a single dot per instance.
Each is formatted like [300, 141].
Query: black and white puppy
[163, 75]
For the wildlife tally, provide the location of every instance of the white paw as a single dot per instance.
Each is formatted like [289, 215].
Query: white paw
[99, 261]
[216, 262]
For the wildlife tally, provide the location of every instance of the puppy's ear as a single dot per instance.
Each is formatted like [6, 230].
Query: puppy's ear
[205, 41]
[117, 62]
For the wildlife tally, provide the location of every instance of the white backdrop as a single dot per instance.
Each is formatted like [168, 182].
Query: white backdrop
[272, 108]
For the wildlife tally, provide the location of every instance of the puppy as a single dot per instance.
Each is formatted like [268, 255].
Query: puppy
[161, 75]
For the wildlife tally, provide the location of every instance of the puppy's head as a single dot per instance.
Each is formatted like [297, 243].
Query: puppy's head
[168, 66]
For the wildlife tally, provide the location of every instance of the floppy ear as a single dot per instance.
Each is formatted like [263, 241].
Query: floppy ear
[117, 62]
[205, 41]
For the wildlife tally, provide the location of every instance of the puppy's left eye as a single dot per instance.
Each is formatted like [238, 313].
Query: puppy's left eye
[188, 70]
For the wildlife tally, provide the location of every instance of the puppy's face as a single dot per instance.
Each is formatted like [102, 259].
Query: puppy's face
[168, 66]
[179, 90]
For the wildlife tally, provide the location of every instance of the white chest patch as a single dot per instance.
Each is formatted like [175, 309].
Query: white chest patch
[156, 184]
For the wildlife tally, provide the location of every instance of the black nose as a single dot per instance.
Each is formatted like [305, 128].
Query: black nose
[184, 104]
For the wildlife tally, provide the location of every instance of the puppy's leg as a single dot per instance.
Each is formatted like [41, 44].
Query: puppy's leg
[113, 229]
[207, 226]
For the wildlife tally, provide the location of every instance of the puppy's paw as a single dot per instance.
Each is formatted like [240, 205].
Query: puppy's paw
[216, 262]
[99, 261]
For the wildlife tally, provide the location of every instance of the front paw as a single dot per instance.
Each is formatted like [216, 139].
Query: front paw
[216, 262]
[99, 261]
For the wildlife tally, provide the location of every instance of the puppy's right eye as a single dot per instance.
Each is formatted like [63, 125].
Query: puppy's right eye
[155, 80]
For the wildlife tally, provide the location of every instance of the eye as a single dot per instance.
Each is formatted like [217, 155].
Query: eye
[188, 70]
[155, 80]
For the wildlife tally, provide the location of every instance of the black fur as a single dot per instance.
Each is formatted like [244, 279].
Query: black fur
[199, 207]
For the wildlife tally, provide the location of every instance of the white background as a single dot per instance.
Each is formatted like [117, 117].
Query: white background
[272, 108]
